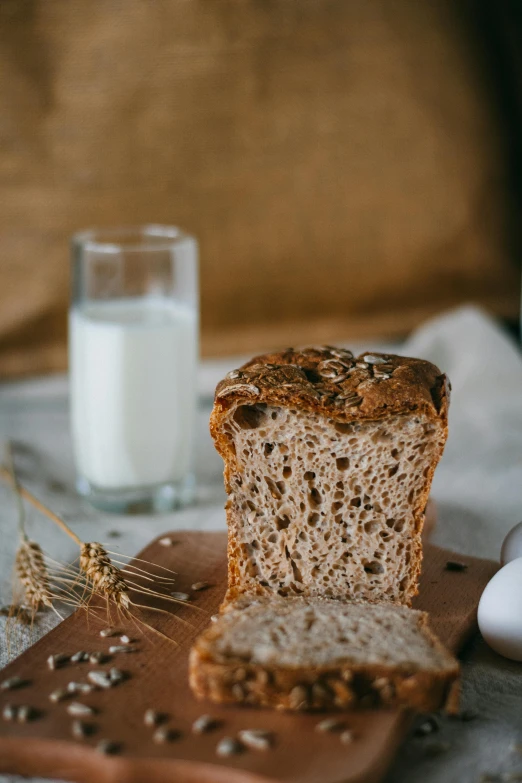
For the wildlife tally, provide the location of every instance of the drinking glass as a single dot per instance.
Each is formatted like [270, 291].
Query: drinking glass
[133, 351]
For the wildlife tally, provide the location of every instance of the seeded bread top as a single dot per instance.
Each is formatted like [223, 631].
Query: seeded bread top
[334, 382]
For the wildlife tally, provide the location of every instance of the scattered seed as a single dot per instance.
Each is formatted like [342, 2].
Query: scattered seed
[12, 683]
[180, 596]
[108, 747]
[428, 726]
[109, 632]
[98, 657]
[101, 679]
[204, 723]
[256, 739]
[79, 657]
[125, 639]
[165, 734]
[116, 676]
[347, 737]
[55, 661]
[298, 697]
[197, 586]
[9, 712]
[78, 710]
[330, 724]
[228, 746]
[455, 565]
[79, 729]
[214, 618]
[121, 648]
[79, 687]
[165, 541]
[58, 695]
[152, 717]
[25, 713]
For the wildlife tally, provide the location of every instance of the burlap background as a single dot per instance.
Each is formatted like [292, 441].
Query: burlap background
[342, 163]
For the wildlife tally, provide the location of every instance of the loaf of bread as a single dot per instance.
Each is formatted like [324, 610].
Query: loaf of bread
[329, 460]
[299, 653]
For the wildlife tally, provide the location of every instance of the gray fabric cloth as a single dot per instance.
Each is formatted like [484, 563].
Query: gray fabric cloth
[478, 489]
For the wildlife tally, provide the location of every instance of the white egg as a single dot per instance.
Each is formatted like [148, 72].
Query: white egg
[500, 611]
[512, 545]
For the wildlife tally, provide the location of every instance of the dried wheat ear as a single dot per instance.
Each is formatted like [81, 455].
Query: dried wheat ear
[300, 653]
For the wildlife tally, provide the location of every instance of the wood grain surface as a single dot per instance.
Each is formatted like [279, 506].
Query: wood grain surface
[157, 678]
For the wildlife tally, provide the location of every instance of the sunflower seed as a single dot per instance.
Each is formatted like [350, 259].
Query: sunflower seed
[341, 353]
[79, 729]
[180, 596]
[79, 657]
[238, 388]
[428, 726]
[214, 618]
[9, 712]
[256, 739]
[12, 683]
[370, 358]
[330, 724]
[232, 375]
[58, 695]
[347, 737]
[79, 687]
[98, 657]
[99, 678]
[228, 746]
[362, 365]
[25, 714]
[78, 710]
[125, 639]
[298, 698]
[55, 661]
[197, 586]
[107, 747]
[455, 565]
[152, 717]
[116, 676]
[121, 648]
[109, 632]
[165, 734]
[204, 723]
[166, 541]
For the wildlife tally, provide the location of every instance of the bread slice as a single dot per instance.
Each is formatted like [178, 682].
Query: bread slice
[302, 653]
[328, 466]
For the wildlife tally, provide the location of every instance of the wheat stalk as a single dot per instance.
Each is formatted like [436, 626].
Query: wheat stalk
[105, 578]
[32, 572]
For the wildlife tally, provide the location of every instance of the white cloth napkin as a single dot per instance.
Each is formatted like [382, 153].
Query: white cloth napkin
[478, 484]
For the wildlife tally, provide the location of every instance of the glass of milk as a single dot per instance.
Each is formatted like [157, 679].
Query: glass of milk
[133, 351]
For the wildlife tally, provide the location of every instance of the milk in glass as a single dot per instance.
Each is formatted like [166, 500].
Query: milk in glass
[132, 371]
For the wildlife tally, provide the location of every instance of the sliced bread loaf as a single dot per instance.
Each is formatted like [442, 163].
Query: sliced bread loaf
[302, 653]
[328, 466]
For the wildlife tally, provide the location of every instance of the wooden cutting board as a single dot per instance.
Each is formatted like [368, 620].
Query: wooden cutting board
[158, 680]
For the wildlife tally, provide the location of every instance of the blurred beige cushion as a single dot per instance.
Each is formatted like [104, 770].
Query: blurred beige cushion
[342, 163]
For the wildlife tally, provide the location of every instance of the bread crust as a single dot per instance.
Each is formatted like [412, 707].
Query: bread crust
[332, 382]
[348, 686]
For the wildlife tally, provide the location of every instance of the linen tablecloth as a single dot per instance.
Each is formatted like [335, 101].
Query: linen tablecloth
[478, 489]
